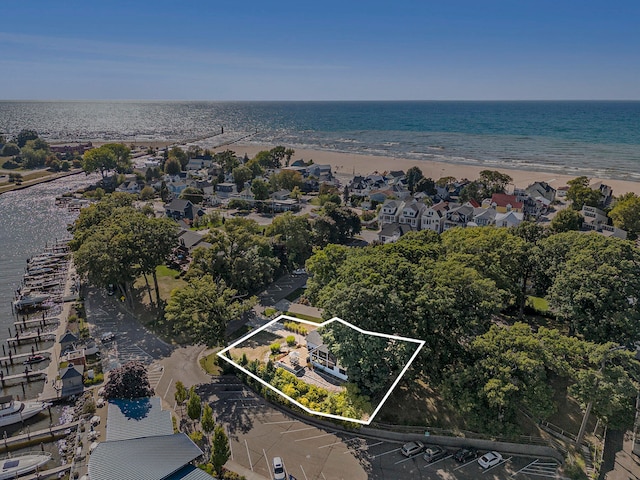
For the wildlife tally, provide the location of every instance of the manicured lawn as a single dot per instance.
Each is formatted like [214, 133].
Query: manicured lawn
[210, 364]
[305, 317]
[164, 271]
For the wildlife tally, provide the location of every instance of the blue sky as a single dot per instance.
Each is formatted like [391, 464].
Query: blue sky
[323, 50]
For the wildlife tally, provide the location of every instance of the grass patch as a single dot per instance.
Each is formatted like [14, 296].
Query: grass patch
[270, 311]
[164, 271]
[210, 364]
[305, 317]
[293, 296]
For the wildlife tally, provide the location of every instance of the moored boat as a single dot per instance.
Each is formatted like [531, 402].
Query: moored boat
[14, 411]
[16, 465]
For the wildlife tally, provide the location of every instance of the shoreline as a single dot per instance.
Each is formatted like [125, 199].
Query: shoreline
[346, 165]
[37, 181]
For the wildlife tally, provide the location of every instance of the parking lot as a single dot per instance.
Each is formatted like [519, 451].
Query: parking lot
[258, 432]
[131, 340]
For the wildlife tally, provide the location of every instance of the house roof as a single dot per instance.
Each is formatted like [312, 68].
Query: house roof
[70, 372]
[148, 458]
[510, 217]
[315, 338]
[189, 472]
[138, 418]
[179, 204]
[68, 337]
[190, 239]
[503, 199]
[391, 229]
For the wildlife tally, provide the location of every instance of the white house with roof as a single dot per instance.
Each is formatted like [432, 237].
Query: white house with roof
[391, 232]
[412, 214]
[321, 358]
[509, 219]
[484, 217]
[390, 212]
[459, 217]
[433, 217]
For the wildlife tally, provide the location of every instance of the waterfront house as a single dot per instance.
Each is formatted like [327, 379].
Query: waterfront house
[483, 217]
[71, 379]
[503, 203]
[593, 217]
[68, 341]
[321, 358]
[140, 443]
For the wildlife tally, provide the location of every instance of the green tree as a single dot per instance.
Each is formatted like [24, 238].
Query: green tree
[32, 158]
[202, 309]
[221, 451]
[596, 290]
[472, 191]
[426, 185]
[414, 175]
[172, 166]
[24, 136]
[260, 189]
[180, 155]
[194, 405]
[208, 423]
[581, 194]
[147, 193]
[626, 214]
[193, 194]
[181, 393]
[241, 175]
[493, 182]
[10, 149]
[565, 221]
[227, 160]
[294, 233]
[99, 159]
[286, 179]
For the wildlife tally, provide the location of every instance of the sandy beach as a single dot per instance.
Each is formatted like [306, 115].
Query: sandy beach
[345, 165]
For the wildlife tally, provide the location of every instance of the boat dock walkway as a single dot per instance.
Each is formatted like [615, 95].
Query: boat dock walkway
[9, 380]
[19, 356]
[40, 322]
[48, 473]
[47, 434]
[31, 337]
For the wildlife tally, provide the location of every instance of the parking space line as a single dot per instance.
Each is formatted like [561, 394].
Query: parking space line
[331, 445]
[465, 464]
[276, 423]
[317, 436]
[229, 436]
[298, 430]
[168, 387]
[505, 460]
[385, 453]
[526, 466]
[363, 447]
[268, 469]
[305, 475]
[437, 461]
[406, 459]
[248, 454]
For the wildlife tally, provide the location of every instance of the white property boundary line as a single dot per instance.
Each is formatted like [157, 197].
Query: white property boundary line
[420, 344]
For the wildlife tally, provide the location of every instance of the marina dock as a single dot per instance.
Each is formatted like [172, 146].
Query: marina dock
[30, 438]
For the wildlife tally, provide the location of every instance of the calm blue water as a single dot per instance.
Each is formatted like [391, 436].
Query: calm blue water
[595, 138]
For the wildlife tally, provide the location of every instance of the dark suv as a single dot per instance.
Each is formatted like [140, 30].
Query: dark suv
[465, 454]
[434, 453]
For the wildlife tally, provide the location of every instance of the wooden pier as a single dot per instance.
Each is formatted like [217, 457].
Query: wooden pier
[31, 337]
[37, 323]
[10, 380]
[19, 356]
[30, 438]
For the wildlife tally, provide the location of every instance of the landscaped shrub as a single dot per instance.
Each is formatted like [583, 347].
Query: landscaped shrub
[291, 340]
[275, 348]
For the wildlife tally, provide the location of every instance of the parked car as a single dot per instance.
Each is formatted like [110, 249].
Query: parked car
[465, 454]
[278, 469]
[412, 448]
[490, 459]
[434, 453]
[299, 271]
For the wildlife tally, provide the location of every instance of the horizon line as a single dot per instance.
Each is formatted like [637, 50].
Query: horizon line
[105, 100]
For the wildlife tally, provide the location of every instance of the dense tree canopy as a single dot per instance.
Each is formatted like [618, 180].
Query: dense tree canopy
[128, 381]
[626, 214]
[581, 194]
